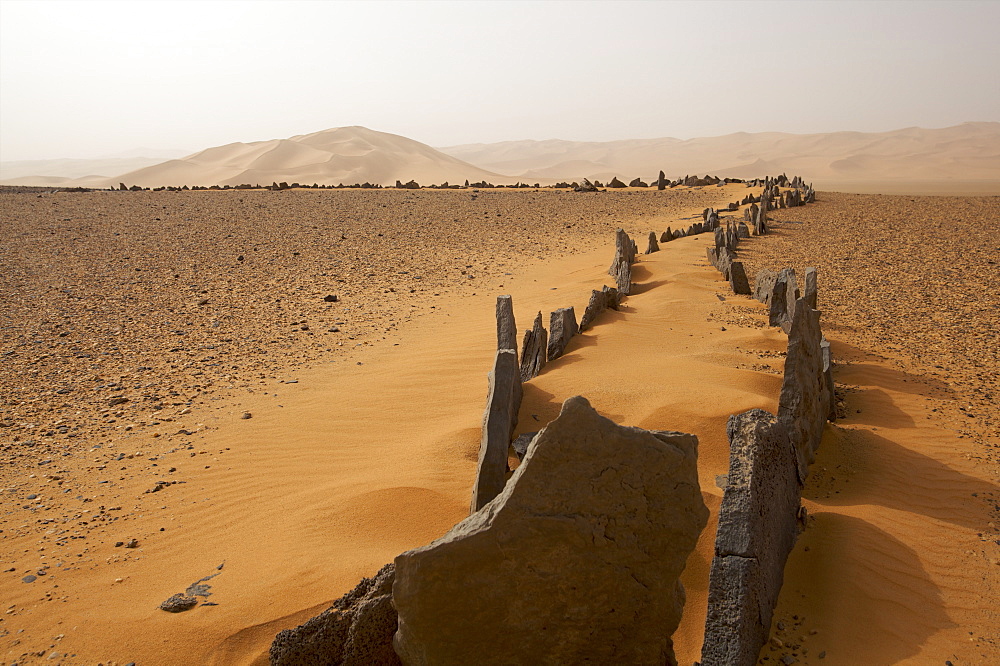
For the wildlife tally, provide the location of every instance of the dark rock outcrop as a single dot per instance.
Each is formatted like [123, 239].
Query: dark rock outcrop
[608, 297]
[506, 326]
[652, 246]
[534, 349]
[579, 557]
[757, 530]
[356, 631]
[764, 285]
[738, 278]
[637, 182]
[562, 327]
[616, 183]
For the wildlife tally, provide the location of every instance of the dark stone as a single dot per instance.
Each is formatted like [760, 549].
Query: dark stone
[652, 246]
[503, 401]
[804, 403]
[599, 302]
[783, 297]
[757, 530]
[562, 327]
[587, 186]
[764, 285]
[810, 288]
[738, 278]
[742, 230]
[623, 276]
[521, 444]
[713, 256]
[356, 631]
[331, 298]
[667, 236]
[616, 183]
[506, 326]
[578, 558]
[661, 182]
[534, 349]
[637, 182]
[179, 603]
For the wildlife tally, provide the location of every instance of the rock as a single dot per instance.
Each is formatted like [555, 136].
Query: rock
[506, 326]
[623, 276]
[742, 230]
[652, 245]
[637, 182]
[331, 298]
[764, 285]
[521, 444]
[122, 187]
[599, 302]
[804, 403]
[713, 256]
[179, 603]
[783, 297]
[757, 529]
[246, 415]
[587, 186]
[810, 289]
[534, 350]
[616, 183]
[824, 346]
[724, 262]
[503, 401]
[562, 327]
[661, 182]
[738, 278]
[356, 631]
[667, 236]
[578, 558]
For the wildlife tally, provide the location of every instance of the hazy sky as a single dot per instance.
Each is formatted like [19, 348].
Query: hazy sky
[88, 79]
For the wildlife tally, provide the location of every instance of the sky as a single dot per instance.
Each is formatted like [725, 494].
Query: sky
[85, 79]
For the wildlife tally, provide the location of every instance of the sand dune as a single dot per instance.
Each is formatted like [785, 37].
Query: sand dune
[341, 155]
[70, 172]
[966, 152]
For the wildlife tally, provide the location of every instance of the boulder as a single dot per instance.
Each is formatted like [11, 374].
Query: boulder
[616, 183]
[713, 256]
[757, 530]
[534, 349]
[810, 289]
[521, 444]
[652, 246]
[623, 276]
[562, 327]
[764, 285]
[356, 631]
[804, 402]
[742, 230]
[587, 186]
[637, 182]
[738, 278]
[608, 297]
[783, 297]
[506, 326]
[577, 560]
[503, 401]
[661, 182]
[667, 236]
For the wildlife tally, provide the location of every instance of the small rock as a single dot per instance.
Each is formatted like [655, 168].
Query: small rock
[32, 496]
[132, 543]
[246, 415]
[179, 603]
[331, 298]
[29, 579]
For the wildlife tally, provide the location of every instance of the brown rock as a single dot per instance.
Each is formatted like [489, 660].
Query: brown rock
[562, 327]
[652, 245]
[578, 557]
[503, 401]
[534, 350]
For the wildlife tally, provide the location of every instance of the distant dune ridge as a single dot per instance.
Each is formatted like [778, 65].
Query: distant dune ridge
[967, 152]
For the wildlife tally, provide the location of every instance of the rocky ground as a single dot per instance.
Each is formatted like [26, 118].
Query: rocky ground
[121, 310]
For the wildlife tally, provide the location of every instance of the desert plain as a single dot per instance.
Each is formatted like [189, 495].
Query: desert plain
[270, 394]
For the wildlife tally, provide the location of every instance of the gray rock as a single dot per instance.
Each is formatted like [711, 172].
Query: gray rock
[652, 245]
[562, 327]
[667, 236]
[661, 182]
[783, 297]
[534, 350]
[804, 403]
[621, 266]
[738, 278]
[757, 529]
[742, 230]
[506, 326]
[577, 560]
[179, 603]
[623, 276]
[810, 288]
[824, 346]
[764, 285]
[637, 182]
[724, 260]
[521, 444]
[356, 631]
[499, 420]
[713, 256]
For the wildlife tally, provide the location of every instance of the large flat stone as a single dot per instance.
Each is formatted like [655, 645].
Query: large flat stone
[577, 560]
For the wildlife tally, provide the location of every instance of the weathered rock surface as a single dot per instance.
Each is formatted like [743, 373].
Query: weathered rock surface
[506, 326]
[179, 603]
[637, 182]
[562, 327]
[521, 444]
[616, 183]
[534, 349]
[652, 246]
[356, 631]
[621, 266]
[804, 402]
[738, 278]
[661, 182]
[784, 294]
[764, 285]
[503, 401]
[608, 297]
[810, 288]
[667, 236]
[577, 560]
[757, 529]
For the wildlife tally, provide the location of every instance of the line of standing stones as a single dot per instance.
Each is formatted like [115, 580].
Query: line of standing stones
[559, 555]
[760, 514]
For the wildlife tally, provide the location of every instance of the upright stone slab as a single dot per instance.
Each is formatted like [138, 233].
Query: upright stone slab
[764, 285]
[506, 327]
[562, 327]
[356, 631]
[667, 236]
[757, 530]
[503, 401]
[738, 278]
[742, 230]
[576, 561]
[783, 297]
[810, 290]
[824, 347]
[534, 349]
[713, 256]
[623, 276]
[661, 182]
[652, 246]
[804, 403]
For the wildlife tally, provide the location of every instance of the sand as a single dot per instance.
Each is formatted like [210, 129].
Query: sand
[354, 453]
